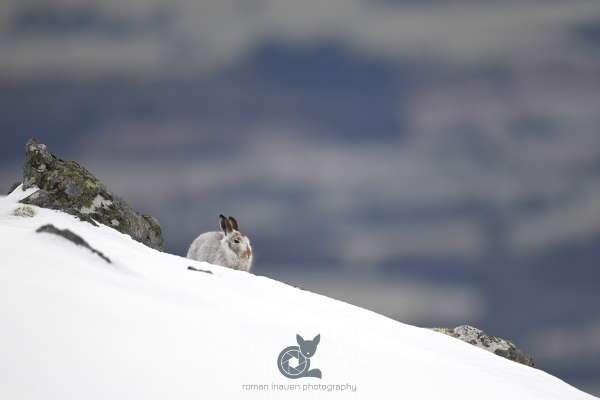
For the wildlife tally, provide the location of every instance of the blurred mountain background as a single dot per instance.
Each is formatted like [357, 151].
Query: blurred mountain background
[434, 161]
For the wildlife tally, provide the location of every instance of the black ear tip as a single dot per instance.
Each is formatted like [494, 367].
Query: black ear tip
[234, 223]
[224, 223]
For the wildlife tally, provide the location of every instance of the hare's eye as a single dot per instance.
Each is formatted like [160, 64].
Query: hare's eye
[236, 240]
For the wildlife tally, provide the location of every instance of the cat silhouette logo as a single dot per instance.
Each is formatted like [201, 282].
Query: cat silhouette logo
[294, 361]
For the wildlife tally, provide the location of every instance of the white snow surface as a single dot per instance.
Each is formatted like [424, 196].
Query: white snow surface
[145, 327]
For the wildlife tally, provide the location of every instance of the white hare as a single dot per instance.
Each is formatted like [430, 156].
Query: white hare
[228, 248]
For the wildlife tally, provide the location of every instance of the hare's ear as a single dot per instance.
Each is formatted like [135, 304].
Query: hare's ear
[317, 339]
[299, 340]
[233, 223]
[224, 223]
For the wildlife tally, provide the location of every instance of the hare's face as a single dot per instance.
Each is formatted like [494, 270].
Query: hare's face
[239, 244]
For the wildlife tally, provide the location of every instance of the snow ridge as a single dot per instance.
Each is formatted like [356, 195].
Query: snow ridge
[147, 327]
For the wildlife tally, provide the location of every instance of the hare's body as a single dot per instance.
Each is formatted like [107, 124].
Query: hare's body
[228, 248]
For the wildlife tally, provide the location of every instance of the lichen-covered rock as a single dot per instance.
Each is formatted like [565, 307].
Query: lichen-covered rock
[67, 186]
[496, 345]
[12, 187]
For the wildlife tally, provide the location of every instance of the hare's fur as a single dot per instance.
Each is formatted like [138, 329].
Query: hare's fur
[228, 248]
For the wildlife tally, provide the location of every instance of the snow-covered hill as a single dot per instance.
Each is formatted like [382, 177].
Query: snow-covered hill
[144, 326]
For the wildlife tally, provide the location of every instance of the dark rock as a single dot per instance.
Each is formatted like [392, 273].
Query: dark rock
[502, 347]
[13, 187]
[73, 237]
[69, 187]
[199, 270]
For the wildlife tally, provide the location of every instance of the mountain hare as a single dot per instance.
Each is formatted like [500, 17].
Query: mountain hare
[228, 248]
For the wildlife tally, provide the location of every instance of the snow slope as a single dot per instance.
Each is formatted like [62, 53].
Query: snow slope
[145, 327]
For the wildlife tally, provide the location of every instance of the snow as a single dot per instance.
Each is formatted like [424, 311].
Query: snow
[146, 327]
[98, 202]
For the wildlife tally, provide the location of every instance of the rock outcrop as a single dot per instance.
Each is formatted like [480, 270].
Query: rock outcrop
[502, 347]
[13, 187]
[67, 186]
